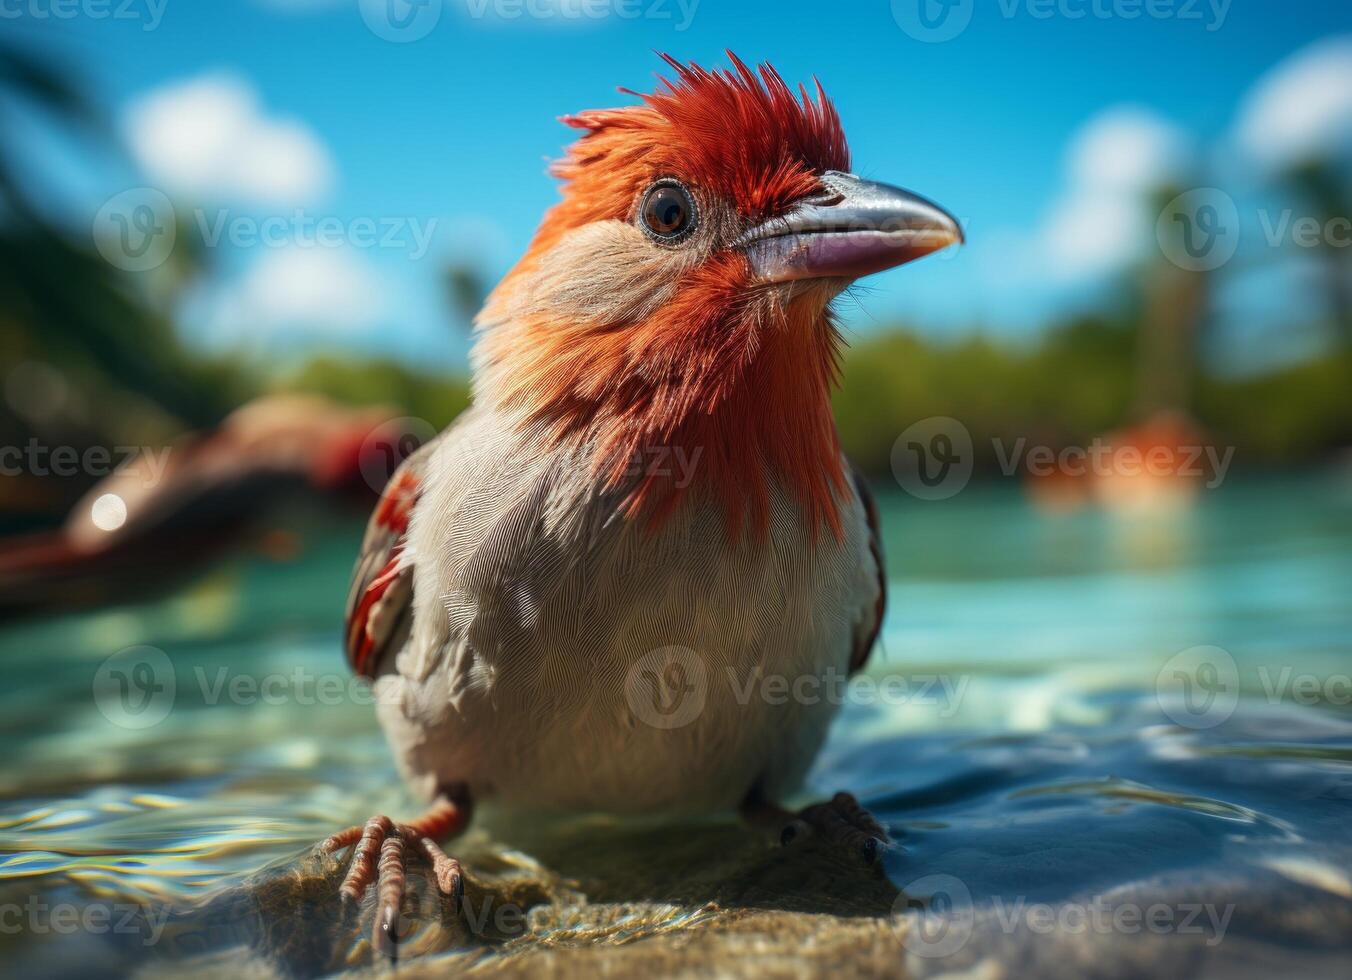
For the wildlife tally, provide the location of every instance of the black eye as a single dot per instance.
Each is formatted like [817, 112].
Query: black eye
[668, 211]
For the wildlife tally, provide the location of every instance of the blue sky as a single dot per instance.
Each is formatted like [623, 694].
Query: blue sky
[455, 128]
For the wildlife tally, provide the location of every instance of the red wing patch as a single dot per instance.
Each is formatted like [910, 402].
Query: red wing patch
[378, 603]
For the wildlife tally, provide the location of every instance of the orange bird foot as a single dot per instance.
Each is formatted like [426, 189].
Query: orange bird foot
[379, 855]
[840, 821]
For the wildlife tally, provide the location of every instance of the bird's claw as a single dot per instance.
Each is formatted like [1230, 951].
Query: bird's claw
[379, 856]
[842, 821]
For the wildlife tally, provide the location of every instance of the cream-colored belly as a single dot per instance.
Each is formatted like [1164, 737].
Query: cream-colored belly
[663, 671]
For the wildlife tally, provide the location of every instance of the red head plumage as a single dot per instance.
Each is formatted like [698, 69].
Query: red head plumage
[741, 134]
[604, 338]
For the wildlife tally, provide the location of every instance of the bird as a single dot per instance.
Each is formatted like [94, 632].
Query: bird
[171, 510]
[567, 599]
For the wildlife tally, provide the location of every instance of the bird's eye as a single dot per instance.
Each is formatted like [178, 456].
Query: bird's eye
[667, 211]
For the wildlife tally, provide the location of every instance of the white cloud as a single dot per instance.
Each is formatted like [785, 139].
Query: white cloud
[298, 291]
[1300, 109]
[209, 138]
[1101, 218]
[1125, 150]
[1089, 234]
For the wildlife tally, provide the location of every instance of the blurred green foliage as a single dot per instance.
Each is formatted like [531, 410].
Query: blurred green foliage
[434, 398]
[108, 345]
[1071, 384]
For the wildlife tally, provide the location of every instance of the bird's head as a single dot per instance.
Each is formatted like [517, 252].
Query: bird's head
[674, 306]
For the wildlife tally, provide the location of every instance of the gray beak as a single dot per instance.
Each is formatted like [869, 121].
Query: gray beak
[855, 228]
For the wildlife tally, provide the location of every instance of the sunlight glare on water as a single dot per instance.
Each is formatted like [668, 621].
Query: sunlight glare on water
[1026, 746]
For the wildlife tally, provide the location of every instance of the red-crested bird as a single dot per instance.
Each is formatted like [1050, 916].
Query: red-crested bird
[647, 490]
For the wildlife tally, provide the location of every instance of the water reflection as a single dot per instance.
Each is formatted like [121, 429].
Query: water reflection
[1031, 757]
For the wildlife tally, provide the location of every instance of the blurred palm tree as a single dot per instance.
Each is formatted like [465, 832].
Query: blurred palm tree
[61, 302]
[88, 356]
[466, 289]
[1322, 183]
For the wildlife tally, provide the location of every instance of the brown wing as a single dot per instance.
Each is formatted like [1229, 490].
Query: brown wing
[869, 629]
[380, 600]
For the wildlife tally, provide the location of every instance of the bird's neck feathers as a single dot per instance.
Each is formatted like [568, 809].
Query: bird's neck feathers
[707, 394]
[667, 366]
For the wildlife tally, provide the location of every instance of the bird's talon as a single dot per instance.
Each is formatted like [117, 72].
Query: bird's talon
[379, 857]
[869, 850]
[795, 829]
[842, 821]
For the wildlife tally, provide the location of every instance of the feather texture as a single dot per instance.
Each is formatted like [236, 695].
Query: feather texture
[650, 470]
[605, 340]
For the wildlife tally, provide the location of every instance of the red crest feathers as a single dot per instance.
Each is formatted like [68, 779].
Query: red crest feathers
[742, 134]
[736, 379]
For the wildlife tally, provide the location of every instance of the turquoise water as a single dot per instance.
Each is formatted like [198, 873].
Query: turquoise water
[1155, 710]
